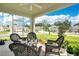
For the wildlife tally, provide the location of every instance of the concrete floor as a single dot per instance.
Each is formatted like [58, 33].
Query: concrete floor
[4, 50]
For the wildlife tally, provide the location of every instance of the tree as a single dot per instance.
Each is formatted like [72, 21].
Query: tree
[8, 26]
[46, 26]
[63, 26]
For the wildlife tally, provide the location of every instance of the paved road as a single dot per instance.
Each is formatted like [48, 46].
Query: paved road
[4, 35]
[7, 35]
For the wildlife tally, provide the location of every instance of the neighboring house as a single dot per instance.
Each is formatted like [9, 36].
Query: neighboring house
[38, 28]
[54, 29]
[17, 28]
[74, 29]
[1, 28]
[20, 29]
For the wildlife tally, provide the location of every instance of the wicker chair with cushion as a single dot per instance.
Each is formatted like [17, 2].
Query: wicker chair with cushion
[23, 50]
[50, 45]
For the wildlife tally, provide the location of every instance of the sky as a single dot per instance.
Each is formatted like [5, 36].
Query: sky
[71, 13]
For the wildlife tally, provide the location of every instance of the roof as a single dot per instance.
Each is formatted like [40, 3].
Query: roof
[32, 9]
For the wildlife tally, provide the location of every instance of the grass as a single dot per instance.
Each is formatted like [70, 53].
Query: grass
[4, 32]
[46, 36]
[5, 38]
[71, 39]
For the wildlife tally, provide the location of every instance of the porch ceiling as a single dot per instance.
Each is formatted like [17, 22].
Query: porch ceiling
[32, 9]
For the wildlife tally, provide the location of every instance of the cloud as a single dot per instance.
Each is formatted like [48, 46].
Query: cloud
[39, 19]
[55, 18]
[15, 17]
[75, 19]
[7, 19]
[52, 19]
[0, 13]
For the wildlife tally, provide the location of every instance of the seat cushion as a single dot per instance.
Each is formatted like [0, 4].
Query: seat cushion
[53, 44]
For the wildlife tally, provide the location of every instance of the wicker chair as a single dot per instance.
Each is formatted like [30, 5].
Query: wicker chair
[50, 45]
[24, 50]
[32, 39]
[32, 35]
[15, 37]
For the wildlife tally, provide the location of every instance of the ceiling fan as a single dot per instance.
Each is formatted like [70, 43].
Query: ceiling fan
[31, 5]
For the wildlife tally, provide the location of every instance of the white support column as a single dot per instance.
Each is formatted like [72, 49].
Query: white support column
[23, 27]
[12, 23]
[3, 20]
[33, 25]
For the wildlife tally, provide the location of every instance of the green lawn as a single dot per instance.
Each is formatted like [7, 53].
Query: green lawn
[54, 37]
[71, 39]
[4, 38]
[4, 32]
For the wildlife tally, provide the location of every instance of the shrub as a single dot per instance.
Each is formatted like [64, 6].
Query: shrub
[73, 49]
[8, 30]
[76, 50]
[70, 49]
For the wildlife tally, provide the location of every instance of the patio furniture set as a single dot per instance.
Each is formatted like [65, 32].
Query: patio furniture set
[28, 47]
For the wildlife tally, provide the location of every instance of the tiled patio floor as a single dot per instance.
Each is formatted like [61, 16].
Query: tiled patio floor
[4, 51]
